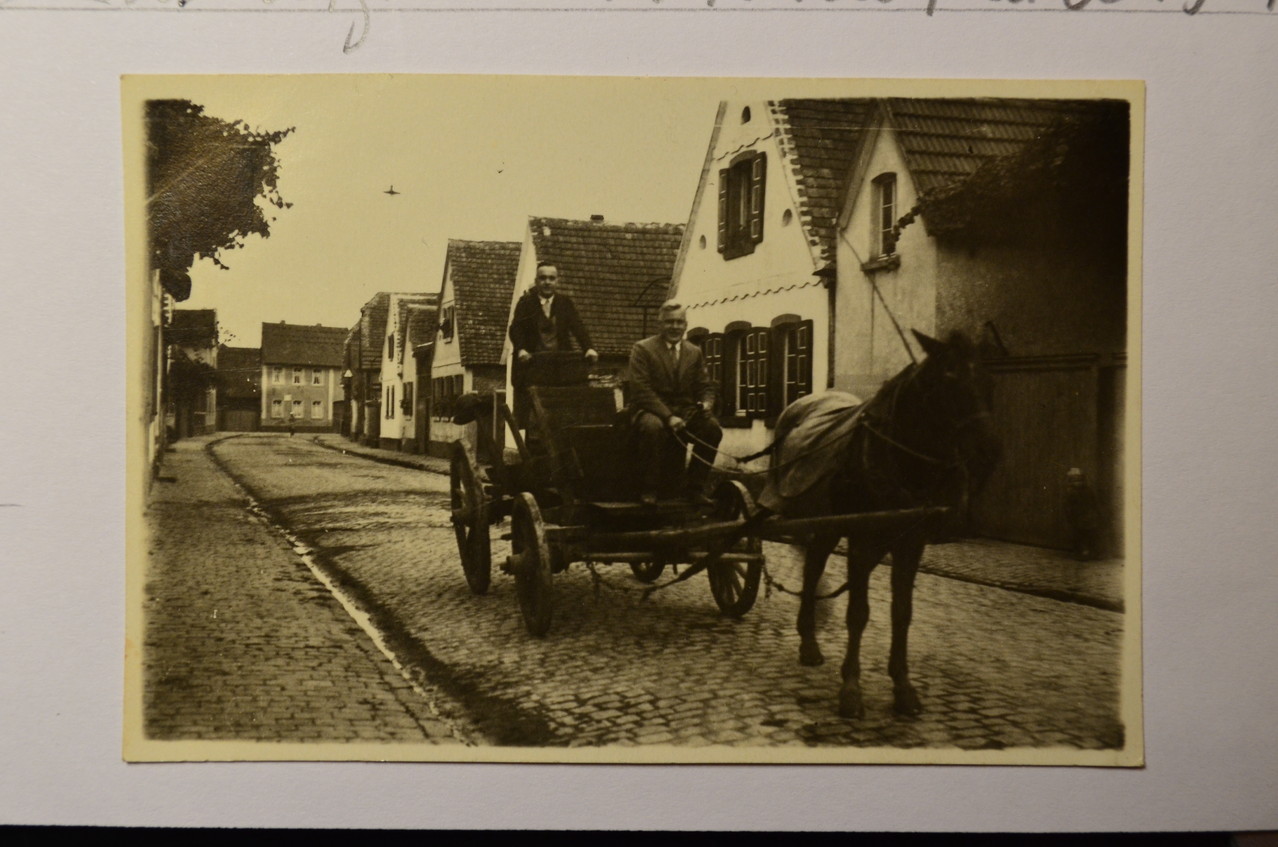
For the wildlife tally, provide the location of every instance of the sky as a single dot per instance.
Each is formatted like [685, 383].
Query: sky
[473, 158]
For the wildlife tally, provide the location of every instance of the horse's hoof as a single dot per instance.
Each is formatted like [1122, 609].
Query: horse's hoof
[850, 705]
[906, 701]
[810, 655]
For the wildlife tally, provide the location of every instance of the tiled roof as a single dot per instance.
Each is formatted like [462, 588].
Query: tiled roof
[483, 274]
[821, 138]
[373, 321]
[193, 328]
[615, 273]
[947, 140]
[423, 321]
[239, 371]
[292, 344]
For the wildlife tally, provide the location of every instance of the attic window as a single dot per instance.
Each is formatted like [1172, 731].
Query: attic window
[745, 115]
[741, 197]
[884, 214]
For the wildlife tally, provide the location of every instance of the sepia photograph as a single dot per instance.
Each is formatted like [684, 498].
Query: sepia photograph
[633, 420]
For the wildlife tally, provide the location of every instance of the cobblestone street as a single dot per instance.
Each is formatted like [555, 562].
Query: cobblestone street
[996, 669]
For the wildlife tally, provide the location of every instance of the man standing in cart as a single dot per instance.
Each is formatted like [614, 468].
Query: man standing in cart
[671, 396]
[544, 321]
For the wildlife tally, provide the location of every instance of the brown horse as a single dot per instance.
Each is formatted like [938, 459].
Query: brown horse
[925, 439]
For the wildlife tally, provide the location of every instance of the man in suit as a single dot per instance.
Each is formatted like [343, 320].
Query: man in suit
[671, 396]
[544, 321]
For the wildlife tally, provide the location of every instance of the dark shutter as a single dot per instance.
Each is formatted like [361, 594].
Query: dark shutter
[758, 180]
[723, 209]
[728, 398]
[777, 366]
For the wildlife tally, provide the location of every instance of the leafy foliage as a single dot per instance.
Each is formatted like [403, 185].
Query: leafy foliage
[204, 176]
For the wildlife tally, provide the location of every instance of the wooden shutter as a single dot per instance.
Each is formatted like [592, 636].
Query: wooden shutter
[723, 209]
[758, 184]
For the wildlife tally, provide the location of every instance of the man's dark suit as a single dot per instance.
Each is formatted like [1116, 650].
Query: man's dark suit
[530, 322]
[660, 390]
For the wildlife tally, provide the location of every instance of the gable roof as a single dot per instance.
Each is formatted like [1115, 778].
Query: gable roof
[820, 138]
[293, 344]
[195, 328]
[372, 324]
[615, 273]
[239, 371]
[483, 278]
[946, 140]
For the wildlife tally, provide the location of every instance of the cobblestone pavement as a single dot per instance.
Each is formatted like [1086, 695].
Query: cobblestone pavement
[995, 669]
[243, 642]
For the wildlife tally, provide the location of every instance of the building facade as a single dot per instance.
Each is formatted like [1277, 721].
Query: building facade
[301, 377]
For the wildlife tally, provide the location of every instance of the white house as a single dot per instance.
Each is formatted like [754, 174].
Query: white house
[757, 262]
[391, 428]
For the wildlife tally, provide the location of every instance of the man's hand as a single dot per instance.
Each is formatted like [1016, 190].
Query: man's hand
[523, 355]
[592, 356]
[676, 423]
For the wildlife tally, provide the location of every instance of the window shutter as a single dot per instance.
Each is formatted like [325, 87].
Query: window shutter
[728, 397]
[758, 180]
[723, 209]
[776, 370]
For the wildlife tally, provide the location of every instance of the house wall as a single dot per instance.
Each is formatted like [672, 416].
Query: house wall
[392, 428]
[868, 348]
[776, 279]
[329, 392]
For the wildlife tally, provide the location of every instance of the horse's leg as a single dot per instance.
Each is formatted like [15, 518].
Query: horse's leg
[814, 560]
[861, 562]
[905, 565]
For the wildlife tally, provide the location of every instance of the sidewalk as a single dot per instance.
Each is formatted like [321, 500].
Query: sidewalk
[986, 561]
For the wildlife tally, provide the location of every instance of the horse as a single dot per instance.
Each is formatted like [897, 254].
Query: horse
[924, 439]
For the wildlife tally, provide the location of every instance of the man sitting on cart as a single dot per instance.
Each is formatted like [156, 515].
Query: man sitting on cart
[671, 396]
[544, 321]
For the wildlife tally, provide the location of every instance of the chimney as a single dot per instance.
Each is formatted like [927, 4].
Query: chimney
[596, 219]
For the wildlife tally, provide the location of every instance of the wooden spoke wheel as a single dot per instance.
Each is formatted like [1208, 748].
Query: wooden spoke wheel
[530, 562]
[735, 585]
[648, 571]
[470, 516]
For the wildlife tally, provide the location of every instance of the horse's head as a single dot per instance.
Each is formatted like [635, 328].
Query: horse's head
[955, 393]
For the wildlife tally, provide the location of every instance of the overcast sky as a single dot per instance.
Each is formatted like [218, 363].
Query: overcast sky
[473, 158]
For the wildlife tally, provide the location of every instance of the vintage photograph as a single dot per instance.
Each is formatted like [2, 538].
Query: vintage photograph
[581, 419]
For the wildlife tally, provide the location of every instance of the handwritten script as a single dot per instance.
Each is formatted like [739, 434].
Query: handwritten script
[365, 9]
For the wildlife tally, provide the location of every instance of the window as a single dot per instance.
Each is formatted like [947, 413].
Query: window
[389, 404]
[390, 346]
[885, 214]
[297, 409]
[752, 373]
[444, 393]
[277, 375]
[447, 321]
[317, 410]
[407, 403]
[277, 408]
[317, 376]
[797, 339]
[297, 376]
[741, 195]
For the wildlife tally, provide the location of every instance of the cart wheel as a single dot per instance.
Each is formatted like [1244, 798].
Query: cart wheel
[648, 571]
[530, 561]
[735, 585]
[470, 519]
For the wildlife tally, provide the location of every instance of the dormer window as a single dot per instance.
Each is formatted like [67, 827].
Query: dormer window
[885, 214]
[741, 196]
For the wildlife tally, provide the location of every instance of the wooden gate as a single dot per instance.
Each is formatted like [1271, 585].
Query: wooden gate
[1046, 411]
[238, 420]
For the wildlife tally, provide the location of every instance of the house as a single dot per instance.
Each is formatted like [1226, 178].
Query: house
[391, 377]
[474, 306]
[1006, 219]
[192, 340]
[757, 262]
[301, 377]
[422, 322]
[239, 388]
[617, 274]
[365, 355]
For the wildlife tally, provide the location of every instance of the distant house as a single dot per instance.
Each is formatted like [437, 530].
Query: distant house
[474, 306]
[192, 340]
[756, 266]
[301, 377]
[392, 375]
[616, 273]
[1006, 219]
[422, 322]
[239, 388]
